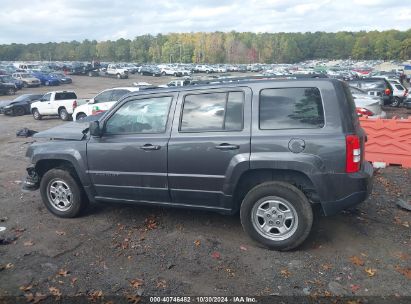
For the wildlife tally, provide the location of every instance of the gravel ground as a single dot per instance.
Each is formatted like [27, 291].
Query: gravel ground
[131, 250]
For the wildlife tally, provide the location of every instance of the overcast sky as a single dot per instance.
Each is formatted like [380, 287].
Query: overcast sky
[26, 21]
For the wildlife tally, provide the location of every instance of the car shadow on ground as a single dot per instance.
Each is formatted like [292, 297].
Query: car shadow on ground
[324, 230]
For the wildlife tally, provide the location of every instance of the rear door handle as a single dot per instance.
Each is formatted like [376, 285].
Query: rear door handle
[226, 146]
[150, 147]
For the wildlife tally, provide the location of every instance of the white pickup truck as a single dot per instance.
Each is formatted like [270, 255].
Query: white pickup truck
[102, 102]
[61, 103]
[117, 71]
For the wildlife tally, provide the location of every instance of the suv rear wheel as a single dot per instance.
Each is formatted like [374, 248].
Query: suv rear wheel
[276, 214]
[64, 115]
[61, 193]
[396, 102]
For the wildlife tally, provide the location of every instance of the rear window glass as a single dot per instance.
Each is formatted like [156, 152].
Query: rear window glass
[291, 108]
[399, 87]
[213, 112]
[65, 95]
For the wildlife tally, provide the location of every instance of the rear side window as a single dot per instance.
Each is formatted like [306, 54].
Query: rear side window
[65, 95]
[117, 94]
[291, 108]
[213, 112]
[399, 87]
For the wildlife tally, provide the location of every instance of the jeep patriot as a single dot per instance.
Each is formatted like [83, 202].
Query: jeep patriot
[270, 150]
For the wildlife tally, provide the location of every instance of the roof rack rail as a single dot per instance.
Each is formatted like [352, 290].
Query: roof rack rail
[256, 77]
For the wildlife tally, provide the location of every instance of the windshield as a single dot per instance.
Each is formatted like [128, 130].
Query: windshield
[20, 98]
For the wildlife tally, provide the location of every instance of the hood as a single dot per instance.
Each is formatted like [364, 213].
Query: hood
[4, 103]
[68, 131]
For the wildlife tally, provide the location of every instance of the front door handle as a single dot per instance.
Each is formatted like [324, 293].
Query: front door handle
[226, 146]
[150, 147]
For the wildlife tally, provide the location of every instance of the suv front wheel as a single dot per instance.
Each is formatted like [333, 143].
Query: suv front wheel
[276, 214]
[61, 193]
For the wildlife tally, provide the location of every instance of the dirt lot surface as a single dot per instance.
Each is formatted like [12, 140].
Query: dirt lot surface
[132, 250]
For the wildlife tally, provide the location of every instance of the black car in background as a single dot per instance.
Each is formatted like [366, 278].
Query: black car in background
[7, 86]
[375, 87]
[8, 79]
[19, 106]
[150, 71]
[64, 79]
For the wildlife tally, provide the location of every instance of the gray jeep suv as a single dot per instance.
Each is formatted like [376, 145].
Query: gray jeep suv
[268, 149]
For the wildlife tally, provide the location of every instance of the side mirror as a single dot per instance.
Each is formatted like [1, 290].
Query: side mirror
[90, 100]
[95, 128]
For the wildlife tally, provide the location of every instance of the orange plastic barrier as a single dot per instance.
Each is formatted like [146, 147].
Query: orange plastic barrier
[389, 140]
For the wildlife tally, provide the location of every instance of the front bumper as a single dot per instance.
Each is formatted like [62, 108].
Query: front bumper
[32, 180]
[358, 187]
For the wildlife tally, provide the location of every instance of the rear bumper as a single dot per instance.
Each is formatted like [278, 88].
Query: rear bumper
[407, 104]
[357, 188]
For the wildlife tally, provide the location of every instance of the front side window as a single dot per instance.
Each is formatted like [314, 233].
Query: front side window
[213, 112]
[291, 108]
[140, 116]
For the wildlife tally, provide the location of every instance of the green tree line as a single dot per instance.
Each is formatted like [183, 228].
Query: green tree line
[219, 47]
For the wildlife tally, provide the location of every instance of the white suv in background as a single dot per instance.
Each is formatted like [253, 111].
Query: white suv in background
[102, 102]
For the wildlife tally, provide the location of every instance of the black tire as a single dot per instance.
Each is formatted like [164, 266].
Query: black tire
[78, 201]
[36, 114]
[163, 73]
[90, 74]
[25, 85]
[11, 91]
[285, 192]
[81, 116]
[19, 111]
[118, 76]
[64, 115]
[47, 83]
[396, 102]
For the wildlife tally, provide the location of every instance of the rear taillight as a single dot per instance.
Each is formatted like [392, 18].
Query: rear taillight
[406, 93]
[387, 92]
[74, 104]
[364, 112]
[353, 153]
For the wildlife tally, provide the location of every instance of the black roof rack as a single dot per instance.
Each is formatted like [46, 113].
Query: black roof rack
[256, 77]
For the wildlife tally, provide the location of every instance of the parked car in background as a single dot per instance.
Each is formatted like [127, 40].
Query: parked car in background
[63, 79]
[117, 70]
[57, 103]
[400, 93]
[28, 79]
[375, 87]
[17, 83]
[101, 102]
[46, 79]
[367, 105]
[150, 71]
[18, 106]
[7, 86]
[202, 68]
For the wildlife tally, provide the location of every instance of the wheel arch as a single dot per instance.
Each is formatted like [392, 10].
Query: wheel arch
[253, 177]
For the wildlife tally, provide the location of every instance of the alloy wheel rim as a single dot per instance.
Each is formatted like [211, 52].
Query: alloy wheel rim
[274, 218]
[59, 195]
